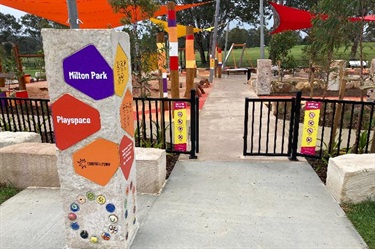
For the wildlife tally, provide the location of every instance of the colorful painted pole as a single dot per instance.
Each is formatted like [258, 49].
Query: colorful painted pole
[219, 61]
[190, 60]
[162, 65]
[216, 49]
[173, 52]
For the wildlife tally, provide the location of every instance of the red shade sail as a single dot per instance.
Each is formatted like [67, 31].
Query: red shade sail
[287, 18]
[92, 13]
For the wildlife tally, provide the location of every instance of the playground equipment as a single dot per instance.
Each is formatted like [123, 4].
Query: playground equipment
[239, 68]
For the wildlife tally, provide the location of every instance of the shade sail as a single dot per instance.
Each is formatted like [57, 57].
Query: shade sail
[181, 29]
[287, 18]
[92, 13]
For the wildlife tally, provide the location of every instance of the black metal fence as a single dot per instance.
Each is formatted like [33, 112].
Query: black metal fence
[274, 127]
[153, 121]
[29, 115]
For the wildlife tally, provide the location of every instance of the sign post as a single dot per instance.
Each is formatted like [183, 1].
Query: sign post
[91, 94]
[310, 128]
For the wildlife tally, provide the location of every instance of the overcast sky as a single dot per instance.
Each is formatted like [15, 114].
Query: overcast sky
[13, 12]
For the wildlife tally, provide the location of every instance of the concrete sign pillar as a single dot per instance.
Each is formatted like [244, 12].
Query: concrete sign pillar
[264, 74]
[91, 94]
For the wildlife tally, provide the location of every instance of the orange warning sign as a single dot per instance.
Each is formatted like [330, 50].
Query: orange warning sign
[126, 114]
[98, 161]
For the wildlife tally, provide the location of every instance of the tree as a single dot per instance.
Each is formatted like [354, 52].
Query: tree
[236, 35]
[32, 26]
[280, 46]
[9, 28]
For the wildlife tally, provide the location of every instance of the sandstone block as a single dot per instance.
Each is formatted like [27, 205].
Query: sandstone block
[151, 169]
[8, 138]
[351, 177]
[264, 77]
[29, 164]
[372, 68]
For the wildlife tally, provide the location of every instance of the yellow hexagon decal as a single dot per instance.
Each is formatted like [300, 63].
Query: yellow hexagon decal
[120, 71]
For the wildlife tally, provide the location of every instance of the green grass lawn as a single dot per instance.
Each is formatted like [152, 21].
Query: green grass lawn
[6, 192]
[362, 216]
[252, 54]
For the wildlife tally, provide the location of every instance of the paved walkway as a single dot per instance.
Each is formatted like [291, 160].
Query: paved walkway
[221, 200]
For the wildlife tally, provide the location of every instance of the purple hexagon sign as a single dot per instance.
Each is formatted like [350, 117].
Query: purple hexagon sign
[88, 72]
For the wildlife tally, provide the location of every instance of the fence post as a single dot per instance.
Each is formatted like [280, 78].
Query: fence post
[246, 121]
[197, 123]
[192, 124]
[297, 114]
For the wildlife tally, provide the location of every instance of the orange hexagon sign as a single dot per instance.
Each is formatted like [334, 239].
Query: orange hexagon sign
[73, 120]
[98, 161]
[126, 114]
[120, 71]
[126, 156]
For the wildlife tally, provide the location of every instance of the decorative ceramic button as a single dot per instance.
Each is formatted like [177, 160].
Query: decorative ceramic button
[110, 207]
[134, 209]
[74, 226]
[94, 239]
[90, 196]
[72, 216]
[81, 199]
[126, 203]
[74, 207]
[106, 236]
[126, 214]
[127, 235]
[113, 218]
[100, 199]
[127, 191]
[84, 234]
[134, 220]
[113, 229]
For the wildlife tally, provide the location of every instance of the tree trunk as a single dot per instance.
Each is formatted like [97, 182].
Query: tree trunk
[354, 49]
[199, 43]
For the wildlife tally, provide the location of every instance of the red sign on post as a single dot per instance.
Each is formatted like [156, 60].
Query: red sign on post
[73, 120]
[126, 156]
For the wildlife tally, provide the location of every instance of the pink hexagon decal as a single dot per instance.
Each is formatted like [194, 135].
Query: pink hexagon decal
[126, 156]
[88, 72]
[98, 161]
[73, 120]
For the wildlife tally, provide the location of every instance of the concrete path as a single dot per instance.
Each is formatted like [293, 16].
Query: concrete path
[221, 200]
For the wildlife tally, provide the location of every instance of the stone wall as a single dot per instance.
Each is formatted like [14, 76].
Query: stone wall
[8, 138]
[29, 164]
[351, 177]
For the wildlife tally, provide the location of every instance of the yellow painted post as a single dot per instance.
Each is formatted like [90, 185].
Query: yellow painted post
[190, 60]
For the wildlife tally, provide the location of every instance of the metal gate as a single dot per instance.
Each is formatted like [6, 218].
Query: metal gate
[274, 127]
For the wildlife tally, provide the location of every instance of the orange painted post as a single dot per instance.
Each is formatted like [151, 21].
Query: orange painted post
[173, 52]
[219, 62]
[190, 60]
